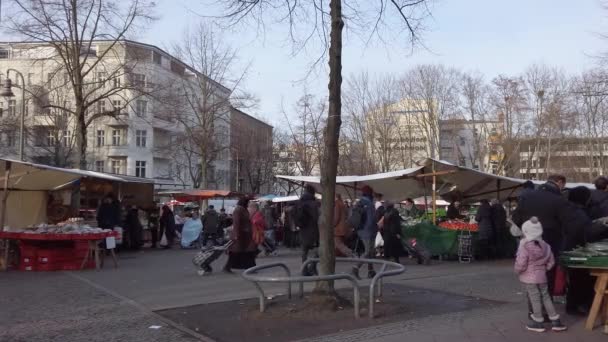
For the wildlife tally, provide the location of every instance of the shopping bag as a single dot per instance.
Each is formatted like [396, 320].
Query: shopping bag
[163, 241]
[379, 240]
[559, 286]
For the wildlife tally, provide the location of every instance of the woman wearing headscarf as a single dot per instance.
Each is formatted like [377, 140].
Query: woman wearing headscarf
[167, 225]
[486, 230]
[392, 233]
[242, 253]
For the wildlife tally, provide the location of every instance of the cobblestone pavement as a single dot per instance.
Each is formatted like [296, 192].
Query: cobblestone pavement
[117, 304]
[59, 307]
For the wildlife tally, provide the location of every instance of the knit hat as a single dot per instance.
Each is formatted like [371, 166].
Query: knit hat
[532, 229]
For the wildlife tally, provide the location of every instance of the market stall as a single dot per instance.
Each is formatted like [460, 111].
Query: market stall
[28, 195]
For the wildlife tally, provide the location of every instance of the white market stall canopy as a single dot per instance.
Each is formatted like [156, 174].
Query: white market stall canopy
[452, 181]
[38, 177]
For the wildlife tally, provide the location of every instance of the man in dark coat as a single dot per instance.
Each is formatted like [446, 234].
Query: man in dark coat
[454, 211]
[367, 231]
[307, 218]
[599, 199]
[486, 232]
[503, 241]
[211, 225]
[554, 213]
[108, 214]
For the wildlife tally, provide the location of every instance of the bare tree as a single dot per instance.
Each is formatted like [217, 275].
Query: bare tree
[328, 21]
[72, 28]
[206, 97]
[509, 100]
[305, 129]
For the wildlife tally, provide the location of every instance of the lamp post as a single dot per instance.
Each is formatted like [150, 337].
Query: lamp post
[7, 91]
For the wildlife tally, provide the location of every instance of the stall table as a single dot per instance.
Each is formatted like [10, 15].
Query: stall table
[31, 243]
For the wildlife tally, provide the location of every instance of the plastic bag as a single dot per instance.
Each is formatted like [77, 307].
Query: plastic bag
[379, 240]
[163, 241]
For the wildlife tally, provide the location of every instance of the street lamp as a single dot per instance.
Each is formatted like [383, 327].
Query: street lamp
[7, 91]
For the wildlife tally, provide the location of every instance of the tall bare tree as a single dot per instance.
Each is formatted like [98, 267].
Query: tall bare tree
[206, 97]
[328, 21]
[72, 28]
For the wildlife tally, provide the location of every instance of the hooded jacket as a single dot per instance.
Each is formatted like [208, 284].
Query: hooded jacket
[534, 259]
[370, 226]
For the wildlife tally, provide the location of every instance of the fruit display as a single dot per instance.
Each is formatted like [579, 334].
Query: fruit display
[459, 225]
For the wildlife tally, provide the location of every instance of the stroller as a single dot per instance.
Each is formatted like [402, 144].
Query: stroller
[269, 244]
[208, 255]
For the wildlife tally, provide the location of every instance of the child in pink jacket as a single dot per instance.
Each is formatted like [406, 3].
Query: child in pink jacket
[534, 259]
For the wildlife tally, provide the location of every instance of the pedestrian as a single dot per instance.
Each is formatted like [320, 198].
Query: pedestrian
[133, 228]
[211, 224]
[598, 206]
[503, 243]
[485, 232]
[167, 225]
[306, 217]
[391, 226]
[242, 253]
[526, 188]
[270, 216]
[580, 283]
[367, 230]
[341, 229]
[108, 213]
[534, 259]
[153, 224]
[258, 222]
[191, 231]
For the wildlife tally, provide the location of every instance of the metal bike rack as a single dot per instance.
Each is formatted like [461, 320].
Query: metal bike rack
[251, 275]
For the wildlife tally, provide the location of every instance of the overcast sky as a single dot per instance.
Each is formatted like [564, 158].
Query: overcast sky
[490, 36]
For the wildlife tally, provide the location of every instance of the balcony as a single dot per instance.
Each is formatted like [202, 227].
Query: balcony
[117, 150]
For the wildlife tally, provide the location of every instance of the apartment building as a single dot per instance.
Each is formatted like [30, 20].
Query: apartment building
[251, 154]
[401, 134]
[138, 82]
[579, 159]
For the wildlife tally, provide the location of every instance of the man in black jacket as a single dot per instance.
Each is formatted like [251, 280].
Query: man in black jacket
[307, 219]
[599, 199]
[554, 213]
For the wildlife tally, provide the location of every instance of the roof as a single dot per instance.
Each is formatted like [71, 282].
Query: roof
[30, 176]
[452, 182]
[146, 45]
[251, 117]
[198, 194]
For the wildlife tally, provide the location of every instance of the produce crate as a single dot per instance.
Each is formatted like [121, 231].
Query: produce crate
[582, 260]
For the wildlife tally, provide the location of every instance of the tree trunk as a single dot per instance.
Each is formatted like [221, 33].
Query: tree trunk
[329, 169]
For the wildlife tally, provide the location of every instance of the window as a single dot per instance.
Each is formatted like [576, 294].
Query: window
[156, 57]
[3, 54]
[102, 77]
[1, 109]
[30, 78]
[101, 138]
[101, 106]
[50, 138]
[11, 139]
[116, 137]
[139, 80]
[141, 108]
[140, 169]
[140, 138]
[115, 164]
[11, 107]
[99, 166]
[117, 104]
[27, 108]
[66, 138]
[116, 82]
[462, 141]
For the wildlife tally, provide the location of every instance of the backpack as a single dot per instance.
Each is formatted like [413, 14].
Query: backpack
[300, 214]
[357, 217]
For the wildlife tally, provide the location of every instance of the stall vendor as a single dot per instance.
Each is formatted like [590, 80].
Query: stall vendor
[454, 211]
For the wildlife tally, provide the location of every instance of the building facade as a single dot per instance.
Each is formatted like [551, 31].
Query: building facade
[472, 144]
[251, 154]
[401, 134]
[134, 125]
[579, 159]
